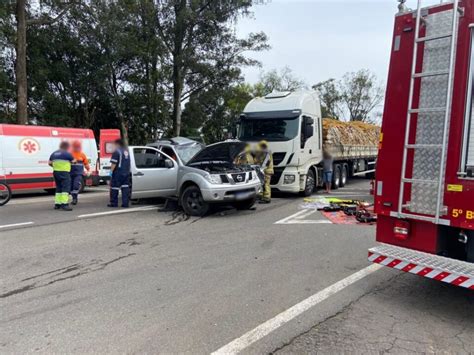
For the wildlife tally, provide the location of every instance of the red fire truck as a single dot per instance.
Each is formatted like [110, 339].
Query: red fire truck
[424, 191]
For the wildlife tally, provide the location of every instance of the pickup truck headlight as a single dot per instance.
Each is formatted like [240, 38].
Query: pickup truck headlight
[213, 179]
[289, 179]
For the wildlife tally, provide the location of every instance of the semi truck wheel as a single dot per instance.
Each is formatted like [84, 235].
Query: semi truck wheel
[344, 174]
[336, 177]
[192, 202]
[310, 184]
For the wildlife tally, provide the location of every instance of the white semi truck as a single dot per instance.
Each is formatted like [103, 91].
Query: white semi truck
[291, 122]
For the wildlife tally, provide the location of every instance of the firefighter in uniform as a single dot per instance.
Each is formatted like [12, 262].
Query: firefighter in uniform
[61, 161]
[264, 159]
[77, 169]
[246, 157]
[120, 175]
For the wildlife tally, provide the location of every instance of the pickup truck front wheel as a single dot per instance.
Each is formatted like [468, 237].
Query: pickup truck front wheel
[192, 202]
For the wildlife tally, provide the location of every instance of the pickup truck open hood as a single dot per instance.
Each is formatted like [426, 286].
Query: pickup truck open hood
[219, 152]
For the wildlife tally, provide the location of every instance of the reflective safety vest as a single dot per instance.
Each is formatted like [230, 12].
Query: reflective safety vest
[265, 160]
[61, 161]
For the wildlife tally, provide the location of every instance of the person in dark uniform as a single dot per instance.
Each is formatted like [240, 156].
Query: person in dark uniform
[61, 161]
[120, 175]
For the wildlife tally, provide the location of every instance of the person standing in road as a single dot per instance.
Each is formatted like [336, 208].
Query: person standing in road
[327, 170]
[264, 158]
[77, 170]
[61, 161]
[120, 175]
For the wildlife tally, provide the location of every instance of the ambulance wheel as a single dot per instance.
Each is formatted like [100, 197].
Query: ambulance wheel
[192, 202]
[344, 172]
[310, 184]
[336, 177]
[245, 205]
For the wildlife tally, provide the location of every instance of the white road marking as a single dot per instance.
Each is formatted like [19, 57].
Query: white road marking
[16, 224]
[42, 199]
[281, 319]
[298, 218]
[125, 210]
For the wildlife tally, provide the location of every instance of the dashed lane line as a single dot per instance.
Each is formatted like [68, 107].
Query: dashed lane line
[120, 211]
[264, 329]
[16, 225]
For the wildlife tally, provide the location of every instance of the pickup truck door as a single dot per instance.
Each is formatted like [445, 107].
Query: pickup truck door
[154, 174]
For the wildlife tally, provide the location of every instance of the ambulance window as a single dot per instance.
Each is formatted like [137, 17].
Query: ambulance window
[146, 158]
[467, 163]
[109, 147]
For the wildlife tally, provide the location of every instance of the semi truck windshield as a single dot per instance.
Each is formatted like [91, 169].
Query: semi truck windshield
[271, 129]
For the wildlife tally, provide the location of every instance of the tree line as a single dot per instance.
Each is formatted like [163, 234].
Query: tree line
[147, 67]
[130, 64]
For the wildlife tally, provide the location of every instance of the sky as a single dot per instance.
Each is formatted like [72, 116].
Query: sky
[322, 39]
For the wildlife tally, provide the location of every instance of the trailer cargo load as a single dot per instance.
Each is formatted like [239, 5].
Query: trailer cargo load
[345, 140]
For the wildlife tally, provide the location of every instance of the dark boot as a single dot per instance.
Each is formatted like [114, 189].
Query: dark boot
[57, 207]
[74, 200]
[66, 208]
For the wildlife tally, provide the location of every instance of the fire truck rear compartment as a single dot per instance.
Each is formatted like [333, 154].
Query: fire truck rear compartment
[447, 241]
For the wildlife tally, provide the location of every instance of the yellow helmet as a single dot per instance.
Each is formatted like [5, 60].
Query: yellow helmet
[263, 144]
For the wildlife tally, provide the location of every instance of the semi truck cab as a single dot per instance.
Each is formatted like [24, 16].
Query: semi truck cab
[291, 123]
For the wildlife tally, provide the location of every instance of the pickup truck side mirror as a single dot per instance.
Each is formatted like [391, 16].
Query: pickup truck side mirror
[169, 164]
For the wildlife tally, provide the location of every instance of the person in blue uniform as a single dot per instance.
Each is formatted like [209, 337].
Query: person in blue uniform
[61, 161]
[120, 175]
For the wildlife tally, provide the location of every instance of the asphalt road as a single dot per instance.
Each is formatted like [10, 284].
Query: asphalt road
[147, 281]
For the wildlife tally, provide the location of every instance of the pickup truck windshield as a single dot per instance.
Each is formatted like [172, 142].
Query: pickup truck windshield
[271, 129]
[186, 152]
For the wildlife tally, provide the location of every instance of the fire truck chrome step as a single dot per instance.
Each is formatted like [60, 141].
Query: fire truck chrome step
[433, 38]
[456, 272]
[428, 110]
[432, 73]
[425, 146]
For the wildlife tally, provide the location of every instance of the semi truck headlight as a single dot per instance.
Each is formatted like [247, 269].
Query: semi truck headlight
[289, 179]
[213, 179]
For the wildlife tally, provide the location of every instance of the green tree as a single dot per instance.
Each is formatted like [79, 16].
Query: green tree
[361, 94]
[330, 97]
[214, 112]
[200, 44]
[274, 80]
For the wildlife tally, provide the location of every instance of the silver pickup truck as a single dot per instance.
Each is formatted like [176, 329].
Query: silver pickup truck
[197, 176]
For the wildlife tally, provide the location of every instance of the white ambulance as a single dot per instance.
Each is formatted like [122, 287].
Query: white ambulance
[25, 151]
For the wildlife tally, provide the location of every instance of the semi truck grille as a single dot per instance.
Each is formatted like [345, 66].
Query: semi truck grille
[278, 158]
